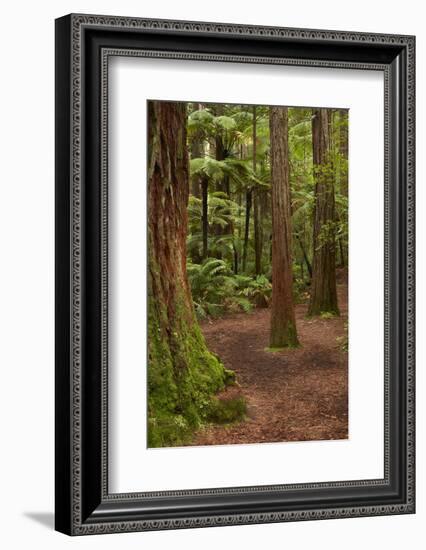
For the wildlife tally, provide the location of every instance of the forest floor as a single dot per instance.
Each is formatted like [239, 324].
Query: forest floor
[292, 395]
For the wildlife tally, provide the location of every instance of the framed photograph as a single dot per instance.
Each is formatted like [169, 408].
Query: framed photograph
[234, 274]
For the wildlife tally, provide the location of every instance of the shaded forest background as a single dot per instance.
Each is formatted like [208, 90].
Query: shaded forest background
[248, 210]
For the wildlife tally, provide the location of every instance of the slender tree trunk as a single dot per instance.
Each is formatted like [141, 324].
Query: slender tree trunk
[182, 373]
[196, 150]
[240, 224]
[323, 290]
[263, 204]
[342, 254]
[256, 207]
[235, 251]
[258, 231]
[221, 185]
[221, 153]
[283, 323]
[305, 256]
[204, 216]
[247, 227]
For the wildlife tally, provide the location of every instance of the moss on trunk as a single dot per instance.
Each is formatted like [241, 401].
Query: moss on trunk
[182, 378]
[182, 374]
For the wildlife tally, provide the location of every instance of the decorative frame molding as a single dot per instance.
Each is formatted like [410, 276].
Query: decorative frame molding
[84, 44]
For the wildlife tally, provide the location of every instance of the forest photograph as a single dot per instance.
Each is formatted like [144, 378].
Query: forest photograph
[247, 273]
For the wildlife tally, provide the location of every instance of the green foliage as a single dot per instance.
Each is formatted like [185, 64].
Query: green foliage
[225, 123]
[214, 170]
[327, 233]
[277, 349]
[327, 315]
[216, 290]
[207, 286]
[220, 211]
[229, 126]
[342, 224]
[300, 284]
[303, 201]
[258, 291]
[343, 341]
[200, 121]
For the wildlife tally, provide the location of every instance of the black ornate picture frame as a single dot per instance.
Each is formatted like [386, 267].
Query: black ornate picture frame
[84, 43]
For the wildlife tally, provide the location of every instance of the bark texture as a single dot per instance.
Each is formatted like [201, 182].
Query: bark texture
[342, 171]
[182, 373]
[283, 323]
[323, 289]
[343, 150]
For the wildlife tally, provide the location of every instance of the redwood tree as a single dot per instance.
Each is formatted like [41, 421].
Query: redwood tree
[342, 171]
[323, 289]
[283, 323]
[182, 373]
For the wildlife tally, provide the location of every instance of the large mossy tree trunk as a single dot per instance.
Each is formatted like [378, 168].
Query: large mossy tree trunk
[323, 289]
[182, 373]
[283, 323]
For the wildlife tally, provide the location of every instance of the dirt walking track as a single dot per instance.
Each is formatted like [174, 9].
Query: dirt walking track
[292, 395]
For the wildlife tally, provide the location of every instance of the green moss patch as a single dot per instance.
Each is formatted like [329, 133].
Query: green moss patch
[226, 411]
[278, 349]
[328, 314]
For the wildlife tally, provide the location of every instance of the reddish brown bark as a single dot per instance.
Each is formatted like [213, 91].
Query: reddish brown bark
[343, 149]
[182, 373]
[168, 191]
[323, 289]
[283, 323]
[342, 171]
